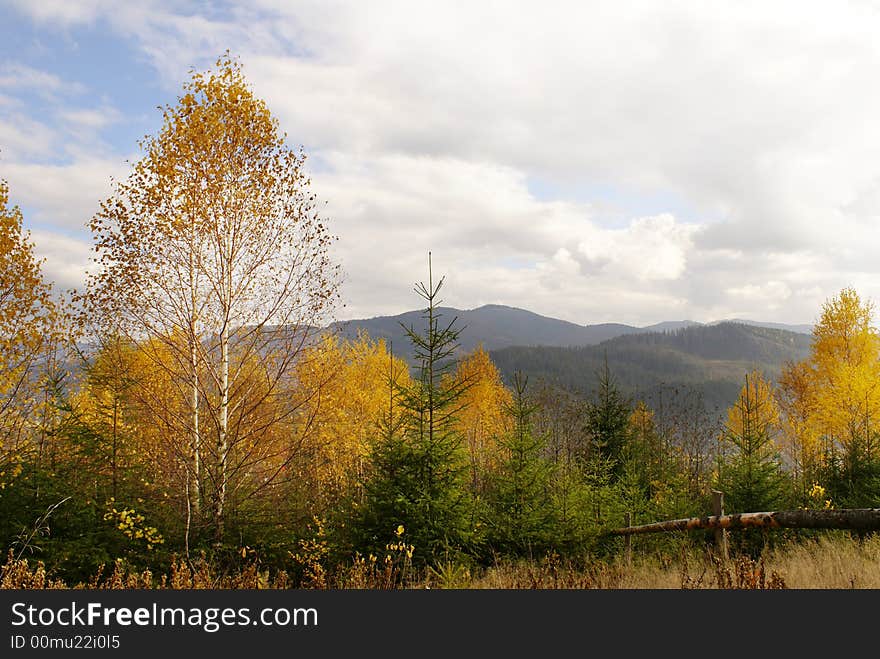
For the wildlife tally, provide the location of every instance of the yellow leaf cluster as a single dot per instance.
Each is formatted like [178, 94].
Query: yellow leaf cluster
[131, 524]
[27, 315]
[832, 399]
[642, 419]
[348, 387]
[755, 411]
[483, 417]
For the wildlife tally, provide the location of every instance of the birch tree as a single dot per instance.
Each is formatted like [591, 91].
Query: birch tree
[484, 417]
[213, 248]
[833, 402]
[27, 315]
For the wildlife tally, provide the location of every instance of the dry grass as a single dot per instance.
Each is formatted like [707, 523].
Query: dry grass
[829, 562]
[826, 563]
[21, 574]
[741, 573]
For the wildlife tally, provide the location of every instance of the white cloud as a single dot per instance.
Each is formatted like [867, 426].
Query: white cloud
[21, 137]
[64, 12]
[492, 238]
[66, 258]
[651, 248]
[753, 122]
[64, 196]
[771, 293]
[14, 75]
[91, 119]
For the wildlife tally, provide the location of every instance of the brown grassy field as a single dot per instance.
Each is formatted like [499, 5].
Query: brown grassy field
[826, 563]
[816, 564]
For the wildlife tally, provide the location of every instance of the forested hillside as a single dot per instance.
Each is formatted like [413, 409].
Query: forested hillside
[707, 359]
[496, 326]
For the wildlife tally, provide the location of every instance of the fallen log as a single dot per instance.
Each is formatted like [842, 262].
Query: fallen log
[861, 519]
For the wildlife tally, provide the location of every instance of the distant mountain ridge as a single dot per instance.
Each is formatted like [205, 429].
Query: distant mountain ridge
[711, 359]
[497, 326]
[797, 328]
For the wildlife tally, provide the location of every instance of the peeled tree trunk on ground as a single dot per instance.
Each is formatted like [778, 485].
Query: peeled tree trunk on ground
[858, 519]
[214, 249]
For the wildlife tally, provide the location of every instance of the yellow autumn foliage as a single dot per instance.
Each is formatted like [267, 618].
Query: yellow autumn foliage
[755, 412]
[348, 389]
[484, 415]
[832, 399]
[27, 315]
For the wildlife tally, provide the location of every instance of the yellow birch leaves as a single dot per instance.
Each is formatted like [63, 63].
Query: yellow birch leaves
[347, 389]
[484, 416]
[831, 400]
[26, 320]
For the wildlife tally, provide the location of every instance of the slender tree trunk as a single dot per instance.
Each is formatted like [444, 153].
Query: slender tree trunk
[114, 448]
[193, 480]
[222, 438]
[194, 488]
[223, 420]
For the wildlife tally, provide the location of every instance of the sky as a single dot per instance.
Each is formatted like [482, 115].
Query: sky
[593, 161]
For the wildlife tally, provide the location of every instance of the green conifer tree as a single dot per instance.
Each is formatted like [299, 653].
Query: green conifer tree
[417, 475]
[520, 507]
[607, 425]
[751, 476]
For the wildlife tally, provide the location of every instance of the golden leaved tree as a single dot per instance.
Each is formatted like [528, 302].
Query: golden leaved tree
[832, 399]
[799, 439]
[484, 414]
[845, 365]
[755, 411]
[133, 409]
[213, 249]
[102, 405]
[27, 318]
[349, 387]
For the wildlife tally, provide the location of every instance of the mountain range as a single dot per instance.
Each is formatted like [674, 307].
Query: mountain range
[710, 359]
[497, 326]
